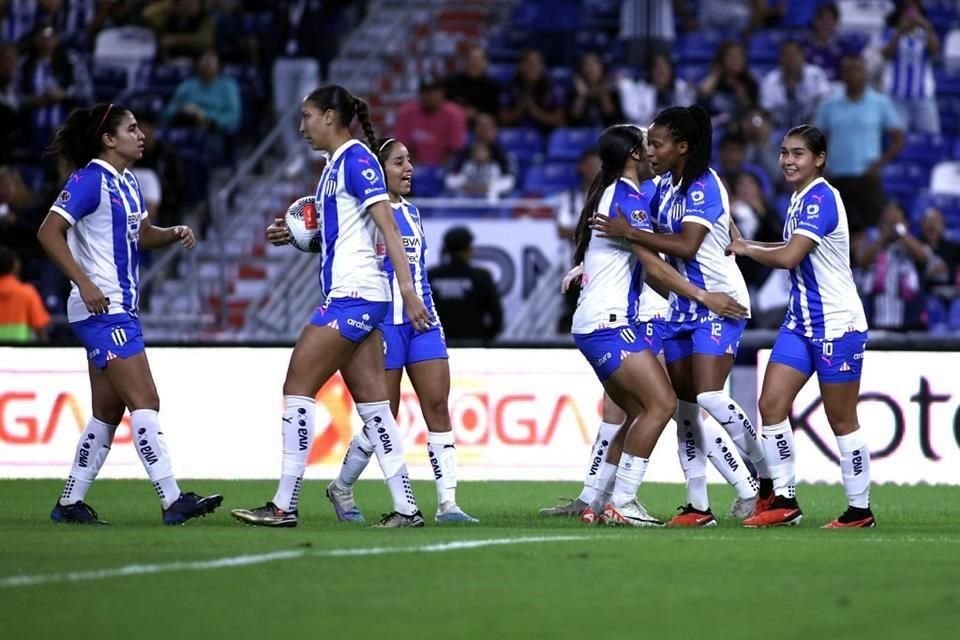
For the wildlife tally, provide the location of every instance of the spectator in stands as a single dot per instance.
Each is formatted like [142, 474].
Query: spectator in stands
[184, 28]
[738, 17]
[466, 297]
[569, 204]
[792, 92]
[530, 100]
[485, 130]
[757, 219]
[855, 122]
[910, 42]
[935, 253]
[165, 161]
[53, 80]
[19, 19]
[732, 161]
[209, 102]
[235, 36]
[729, 88]
[12, 124]
[823, 46]
[646, 29]
[890, 284]
[23, 317]
[762, 144]
[433, 128]
[480, 176]
[593, 101]
[643, 99]
[474, 89]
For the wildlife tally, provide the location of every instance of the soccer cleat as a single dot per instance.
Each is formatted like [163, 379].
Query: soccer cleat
[190, 505]
[783, 512]
[763, 503]
[454, 514]
[343, 504]
[571, 507]
[269, 515]
[690, 517]
[853, 518]
[632, 514]
[743, 508]
[77, 513]
[589, 516]
[397, 520]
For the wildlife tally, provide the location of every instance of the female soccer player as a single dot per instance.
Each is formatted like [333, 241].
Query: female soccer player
[825, 330]
[620, 350]
[422, 353]
[692, 224]
[94, 233]
[352, 204]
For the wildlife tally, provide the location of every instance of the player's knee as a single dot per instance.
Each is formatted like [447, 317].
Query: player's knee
[144, 400]
[773, 408]
[663, 406]
[111, 413]
[436, 412]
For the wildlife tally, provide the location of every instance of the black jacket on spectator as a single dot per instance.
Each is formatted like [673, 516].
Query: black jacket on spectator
[483, 94]
[467, 301]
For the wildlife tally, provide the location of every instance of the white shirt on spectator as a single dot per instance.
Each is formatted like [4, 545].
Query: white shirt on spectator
[812, 88]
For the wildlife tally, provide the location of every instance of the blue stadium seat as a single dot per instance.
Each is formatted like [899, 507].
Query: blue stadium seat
[949, 115]
[764, 47]
[502, 72]
[568, 143]
[143, 101]
[902, 180]
[692, 72]
[523, 142]
[925, 148]
[550, 178]
[561, 77]
[953, 319]
[936, 311]
[948, 83]
[949, 205]
[548, 15]
[108, 82]
[699, 47]
[428, 181]
[165, 77]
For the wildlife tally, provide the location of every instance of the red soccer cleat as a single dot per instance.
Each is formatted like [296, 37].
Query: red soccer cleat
[690, 517]
[782, 512]
[853, 518]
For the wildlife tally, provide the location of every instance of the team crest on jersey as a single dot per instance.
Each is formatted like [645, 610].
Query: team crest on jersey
[369, 174]
[330, 187]
[64, 196]
[638, 215]
[697, 196]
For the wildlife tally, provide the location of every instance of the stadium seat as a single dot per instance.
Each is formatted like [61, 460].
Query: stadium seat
[524, 143]
[108, 82]
[945, 178]
[428, 181]
[125, 47]
[764, 47]
[951, 50]
[948, 82]
[936, 312]
[502, 72]
[699, 47]
[953, 319]
[863, 15]
[947, 203]
[561, 77]
[550, 178]
[568, 143]
[165, 78]
[924, 148]
[903, 179]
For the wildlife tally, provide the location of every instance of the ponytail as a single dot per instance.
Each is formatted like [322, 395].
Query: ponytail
[691, 125]
[363, 117]
[333, 96]
[582, 235]
[80, 138]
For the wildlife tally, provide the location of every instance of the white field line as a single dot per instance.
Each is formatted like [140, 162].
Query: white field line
[247, 560]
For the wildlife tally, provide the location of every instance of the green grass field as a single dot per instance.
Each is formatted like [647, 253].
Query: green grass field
[329, 580]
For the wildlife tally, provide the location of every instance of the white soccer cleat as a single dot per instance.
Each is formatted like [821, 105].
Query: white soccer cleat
[343, 503]
[743, 508]
[632, 514]
[454, 514]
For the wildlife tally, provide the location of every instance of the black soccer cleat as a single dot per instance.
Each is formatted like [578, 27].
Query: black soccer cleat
[77, 513]
[190, 505]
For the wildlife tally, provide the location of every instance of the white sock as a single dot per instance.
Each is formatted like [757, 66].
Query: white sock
[693, 460]
[605, 483]
[442, 452]
[725, 459]
[92, 450]
[358, 457]
[598, 454]
[629, 476]
[735, 422]
[152, 448]
[778, 447]
[855, 466]
[381, 430]
[297, 426]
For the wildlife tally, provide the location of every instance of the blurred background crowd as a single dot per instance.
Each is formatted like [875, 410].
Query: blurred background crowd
[512, 107]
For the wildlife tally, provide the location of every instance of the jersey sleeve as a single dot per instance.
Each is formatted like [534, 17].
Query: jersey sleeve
[818, 216]
[364, 177]
[703, 204]
[79, 197]
[635, 206]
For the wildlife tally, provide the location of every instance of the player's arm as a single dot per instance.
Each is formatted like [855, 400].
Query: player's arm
[383, 217]
[683, 245]
[152, 237]
[664, 278]
[52, 236]
[782, 255]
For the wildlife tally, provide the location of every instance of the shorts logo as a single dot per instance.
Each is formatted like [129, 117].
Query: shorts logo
[845, 368]
[119, 336]
[111, 356]
[334, 324]
[628, 335]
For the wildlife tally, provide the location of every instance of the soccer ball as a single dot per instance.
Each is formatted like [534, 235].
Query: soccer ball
[304, 225]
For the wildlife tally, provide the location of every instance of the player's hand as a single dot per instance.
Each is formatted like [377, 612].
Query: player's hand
[277, 233]
[93, 298]
[572, 276]
[416, 310]
[607, 227]
[184, 234]
[737, 248]
[723, 305]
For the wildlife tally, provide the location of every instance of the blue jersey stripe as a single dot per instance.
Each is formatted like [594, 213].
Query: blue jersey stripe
[121, 249]
[132, 243]
[814, 301]
[331, 226]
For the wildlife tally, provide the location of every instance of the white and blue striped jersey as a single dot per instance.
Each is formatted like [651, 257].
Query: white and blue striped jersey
[705, 203]
[908, 74]
[612, 276]
[104, 209]
[824, 303]
[415, 244]
[350, 249]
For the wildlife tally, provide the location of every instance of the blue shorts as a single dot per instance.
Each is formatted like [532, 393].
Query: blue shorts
[653, 328]
[835, 361]
[106, 337]
[707, 336]
[403, 345]
[354, 318]
[605, 349]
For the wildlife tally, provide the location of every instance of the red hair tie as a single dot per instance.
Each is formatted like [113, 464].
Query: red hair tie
[106, 113]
